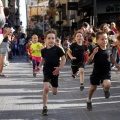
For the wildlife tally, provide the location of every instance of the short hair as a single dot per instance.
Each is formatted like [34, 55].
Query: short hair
[102, 25]
[98, 34]
[58, 39]
[85, 24]
[34, 35]
[93, 34]
[6, 11]
[77, 33]
[49, 32]
[90, 40]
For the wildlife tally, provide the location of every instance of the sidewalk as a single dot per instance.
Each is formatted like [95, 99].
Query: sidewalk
[21, 96]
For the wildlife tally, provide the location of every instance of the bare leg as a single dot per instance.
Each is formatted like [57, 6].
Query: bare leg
[90, 94]
[54, 90]
[106, 84]
[45, 93]
[106, 87]
[1, 63]
[91, 91]
[81, 70]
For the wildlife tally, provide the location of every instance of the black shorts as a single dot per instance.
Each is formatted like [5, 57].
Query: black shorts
[98, 79]
[76, 67]
[52, 79]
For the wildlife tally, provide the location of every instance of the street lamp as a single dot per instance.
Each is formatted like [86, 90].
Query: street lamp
[59, 9]
[95, 13]
[17, 20]
[51, 12]
[51, 20]
[44, 10]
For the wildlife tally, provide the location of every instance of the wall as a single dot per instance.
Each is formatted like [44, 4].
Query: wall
[23, 16]
[102, 8]
[5, 3]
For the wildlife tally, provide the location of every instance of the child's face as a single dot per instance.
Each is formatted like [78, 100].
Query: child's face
[34, 38]
[90, 30]
[30, 42]
[50, 40]
[79, 37]
[57, 43]
[106, 29]
[112, 25]
[102, 40]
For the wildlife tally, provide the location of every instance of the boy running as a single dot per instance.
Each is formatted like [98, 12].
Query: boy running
[51, 66]
[102, 57]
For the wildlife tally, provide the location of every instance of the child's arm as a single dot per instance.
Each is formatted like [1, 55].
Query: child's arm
[62, 63]
[40, 65]
[113, 60]
[40, 48]
[91, 57]
[70, 55]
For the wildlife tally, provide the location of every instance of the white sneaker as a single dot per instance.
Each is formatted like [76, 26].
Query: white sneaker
[114, 68]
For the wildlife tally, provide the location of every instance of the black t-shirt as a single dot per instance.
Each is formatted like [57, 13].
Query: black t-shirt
[52, 58]
[102, 61]
[78, 51]
[8, 23]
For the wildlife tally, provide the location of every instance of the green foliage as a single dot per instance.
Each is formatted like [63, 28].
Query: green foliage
[36, 18]
[36, 31]
[59, 23]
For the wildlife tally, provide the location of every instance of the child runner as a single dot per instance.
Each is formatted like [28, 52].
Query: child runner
[58, 43]
[29, 56]
[102, 57]
[35, 49]
[76, 53]
[51, 66]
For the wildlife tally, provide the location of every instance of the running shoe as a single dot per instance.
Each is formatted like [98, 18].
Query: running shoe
[107, 94]
[73, 75]
[89, 106]
[81, 87]
[34, 74]
[3, 76]
[44, 111]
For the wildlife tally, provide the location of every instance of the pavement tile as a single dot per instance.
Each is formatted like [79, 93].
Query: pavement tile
[21, 96]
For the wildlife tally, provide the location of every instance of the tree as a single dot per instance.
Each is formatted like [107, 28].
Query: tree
[37, 18]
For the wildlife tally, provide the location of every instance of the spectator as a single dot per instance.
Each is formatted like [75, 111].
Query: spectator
[8, 22]
[2, 21]
[22, 44]
[113, 27]
[4, 44]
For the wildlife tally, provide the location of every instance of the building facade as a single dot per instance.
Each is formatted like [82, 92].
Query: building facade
[95, 12]
[13, 5]
[106, 11]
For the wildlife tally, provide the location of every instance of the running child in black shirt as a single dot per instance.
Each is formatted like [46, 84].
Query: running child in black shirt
[51, 66]
[76, 53]
[102, 57]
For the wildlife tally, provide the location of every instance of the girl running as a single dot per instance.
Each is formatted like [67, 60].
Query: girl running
[35, 52]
